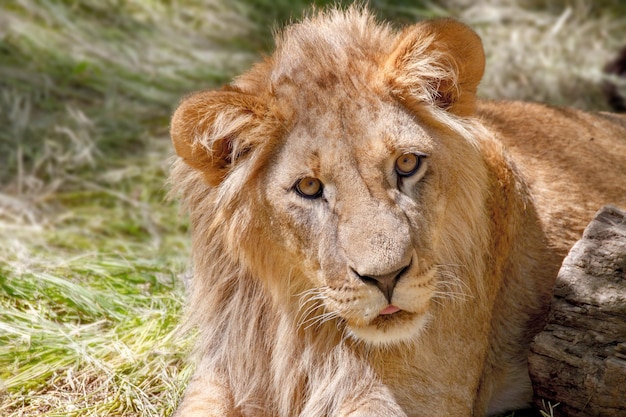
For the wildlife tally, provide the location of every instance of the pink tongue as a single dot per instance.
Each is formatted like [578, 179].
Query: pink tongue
[390, 309]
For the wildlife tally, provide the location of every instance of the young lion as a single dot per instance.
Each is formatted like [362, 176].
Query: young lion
[369, 239]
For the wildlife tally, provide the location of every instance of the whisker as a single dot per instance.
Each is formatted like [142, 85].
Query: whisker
[321, 319]
[451, 296]
[312, 309]
[450, 285]
[309, 302]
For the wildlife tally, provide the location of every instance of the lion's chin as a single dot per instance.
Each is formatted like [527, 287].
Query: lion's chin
[391, 329]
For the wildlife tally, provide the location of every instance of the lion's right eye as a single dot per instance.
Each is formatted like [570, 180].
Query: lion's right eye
[309, 187]
[408, 164]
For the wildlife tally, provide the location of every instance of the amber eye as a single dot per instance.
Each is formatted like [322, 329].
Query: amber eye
[407, 164]
[309, 187]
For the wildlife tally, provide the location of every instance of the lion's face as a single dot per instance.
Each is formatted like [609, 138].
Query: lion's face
[344, 182]
[355, 205]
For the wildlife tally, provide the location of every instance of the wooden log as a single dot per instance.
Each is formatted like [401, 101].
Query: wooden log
[579, 359]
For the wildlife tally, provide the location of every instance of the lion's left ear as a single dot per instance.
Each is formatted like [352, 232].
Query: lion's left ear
[440, 62]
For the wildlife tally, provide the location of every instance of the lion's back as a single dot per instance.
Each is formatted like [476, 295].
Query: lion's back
[574, 162]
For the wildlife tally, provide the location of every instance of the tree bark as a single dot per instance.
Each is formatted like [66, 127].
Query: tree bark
[579, 359]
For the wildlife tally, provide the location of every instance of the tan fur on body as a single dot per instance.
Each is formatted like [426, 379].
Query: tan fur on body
[287, 290]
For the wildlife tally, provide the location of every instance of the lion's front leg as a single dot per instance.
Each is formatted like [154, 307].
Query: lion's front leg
[351, 401]
[372, 406]
[346, 385]
[207, 395]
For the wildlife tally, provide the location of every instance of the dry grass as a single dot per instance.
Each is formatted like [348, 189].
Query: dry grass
[90, 255]
[550, 54]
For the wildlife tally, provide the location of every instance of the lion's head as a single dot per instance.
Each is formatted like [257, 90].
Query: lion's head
[339, 175]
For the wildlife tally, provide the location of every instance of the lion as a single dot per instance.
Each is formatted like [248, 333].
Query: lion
[368, 237]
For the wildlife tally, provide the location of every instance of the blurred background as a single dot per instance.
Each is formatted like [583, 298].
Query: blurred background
[91, 253]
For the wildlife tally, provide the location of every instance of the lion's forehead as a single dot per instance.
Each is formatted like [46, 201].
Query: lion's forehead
[348, 106]
[365, 137]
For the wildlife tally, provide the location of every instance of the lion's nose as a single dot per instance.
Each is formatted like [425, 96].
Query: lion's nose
[385, 282]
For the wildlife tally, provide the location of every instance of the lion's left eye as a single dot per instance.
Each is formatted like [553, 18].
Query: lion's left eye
[408, 164]
[309, 187]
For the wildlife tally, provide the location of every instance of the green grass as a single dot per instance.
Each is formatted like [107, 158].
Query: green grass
[90, 299]
[91, 256]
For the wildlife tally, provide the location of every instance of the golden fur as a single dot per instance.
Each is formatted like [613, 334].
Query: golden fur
[288, 288]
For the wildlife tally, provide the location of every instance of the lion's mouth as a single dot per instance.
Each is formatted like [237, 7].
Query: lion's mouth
[392, 324]
[383, 321]
[390, 309]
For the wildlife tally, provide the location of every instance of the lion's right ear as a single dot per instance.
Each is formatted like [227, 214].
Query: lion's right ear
[213, 130]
